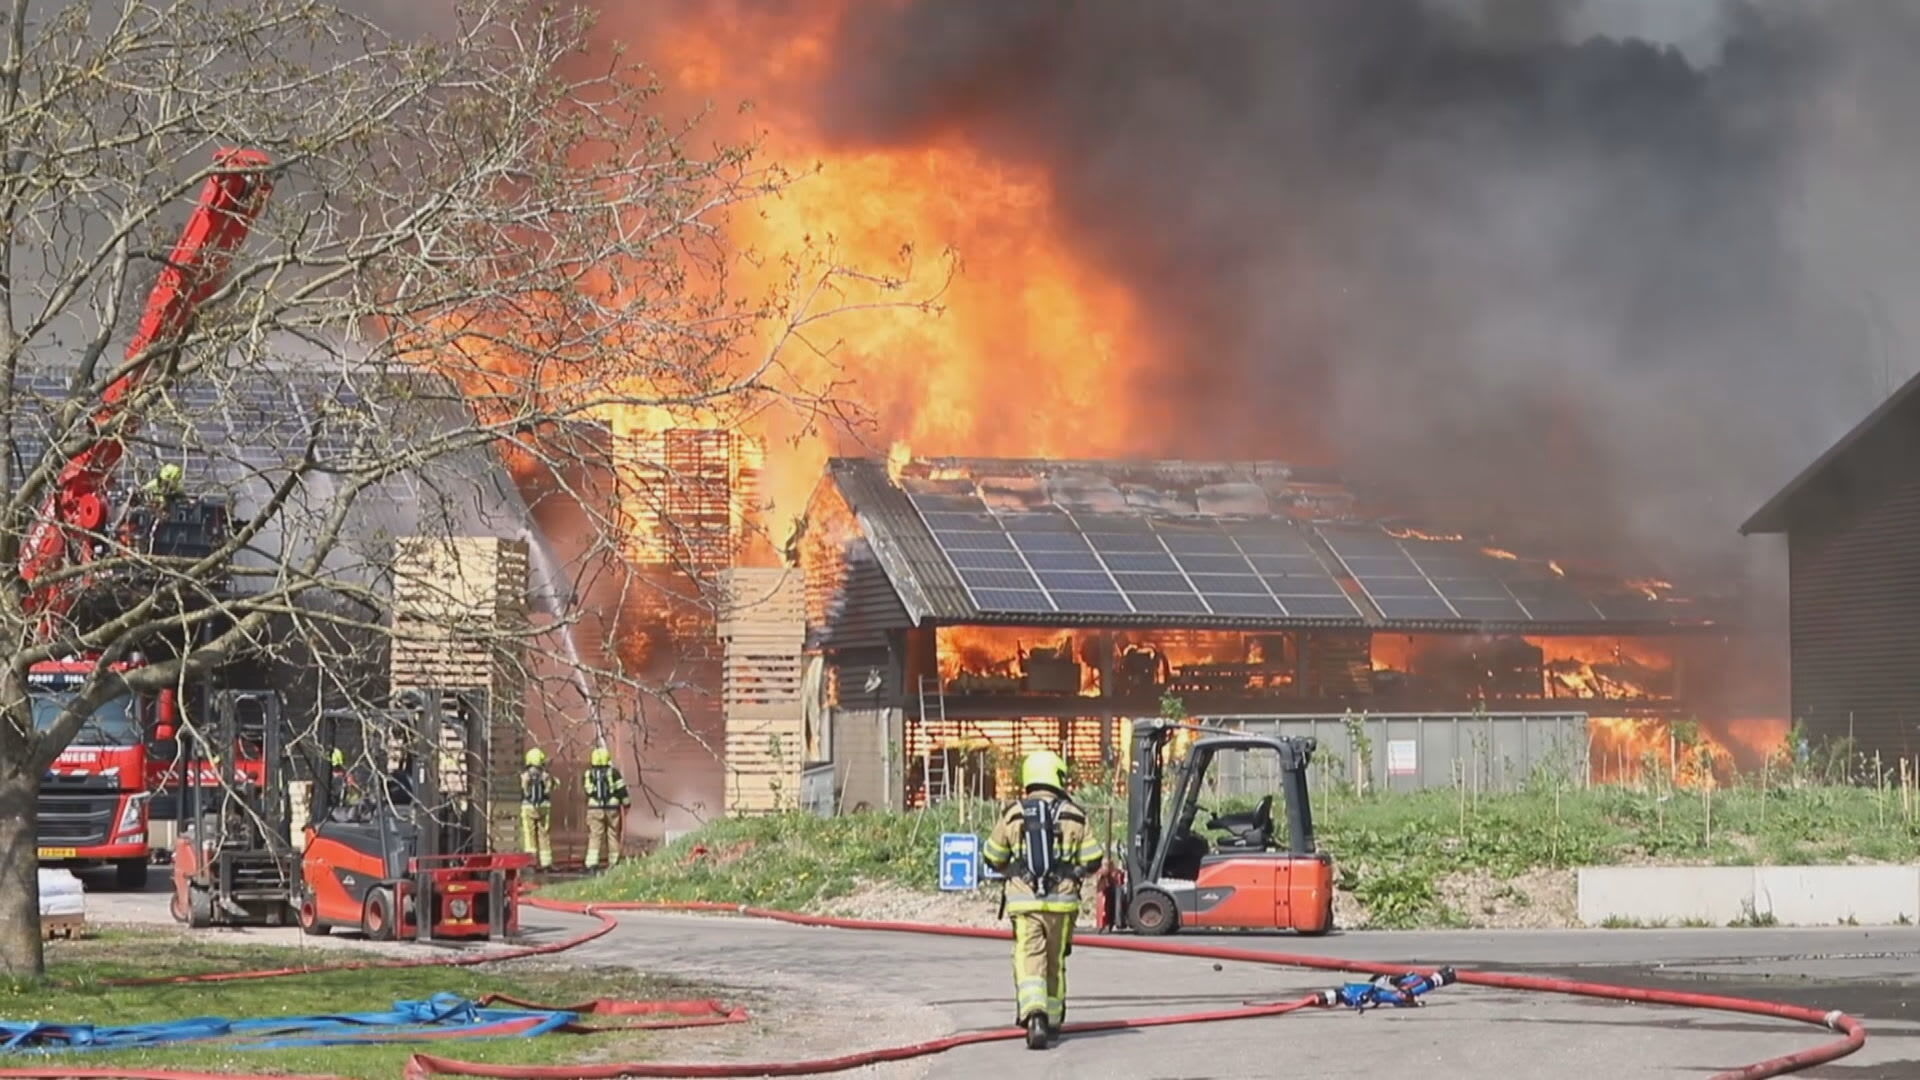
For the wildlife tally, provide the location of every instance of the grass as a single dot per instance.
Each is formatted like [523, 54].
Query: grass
[1391, 849]
[76, 971]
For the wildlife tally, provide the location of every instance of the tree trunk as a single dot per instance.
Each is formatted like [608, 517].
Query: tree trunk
[21, 956]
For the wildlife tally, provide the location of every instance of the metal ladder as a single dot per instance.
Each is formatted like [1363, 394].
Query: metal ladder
[936, 780]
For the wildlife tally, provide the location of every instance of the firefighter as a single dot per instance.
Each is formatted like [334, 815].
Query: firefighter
[166, 485]
[1043, 846]
[536, 808]
[606, 805]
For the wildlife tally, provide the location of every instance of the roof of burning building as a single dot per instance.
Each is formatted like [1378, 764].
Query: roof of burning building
[1253, 545]
[1880, 447]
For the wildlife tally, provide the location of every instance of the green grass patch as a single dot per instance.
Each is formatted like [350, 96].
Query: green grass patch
[74, 991]
[1391, 849]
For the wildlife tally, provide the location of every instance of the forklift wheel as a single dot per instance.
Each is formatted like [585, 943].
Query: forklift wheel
[376, 917]
[199, 908]
[1153, 913]
[308, 916]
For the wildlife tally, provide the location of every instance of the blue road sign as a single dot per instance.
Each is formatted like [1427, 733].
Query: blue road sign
[959, 862]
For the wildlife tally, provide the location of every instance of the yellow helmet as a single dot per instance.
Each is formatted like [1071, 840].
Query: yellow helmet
[536, 757]
[600, 756]
[337, 759]
[1044, 768]
[169, 472]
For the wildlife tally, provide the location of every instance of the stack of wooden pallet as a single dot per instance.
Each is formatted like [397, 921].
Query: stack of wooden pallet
[459, 622]
[761, 629]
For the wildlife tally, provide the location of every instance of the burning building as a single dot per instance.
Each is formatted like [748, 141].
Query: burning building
[963, 608]
[1851, 520]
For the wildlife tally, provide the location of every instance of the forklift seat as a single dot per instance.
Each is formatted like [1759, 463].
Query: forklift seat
[1252, 831]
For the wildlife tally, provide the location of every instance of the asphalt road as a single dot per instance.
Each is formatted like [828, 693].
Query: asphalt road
[847, 990]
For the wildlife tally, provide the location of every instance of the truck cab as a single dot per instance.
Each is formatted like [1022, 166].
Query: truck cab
[94, 801]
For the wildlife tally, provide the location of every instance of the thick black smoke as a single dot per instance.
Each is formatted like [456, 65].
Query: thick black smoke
[1585, 290]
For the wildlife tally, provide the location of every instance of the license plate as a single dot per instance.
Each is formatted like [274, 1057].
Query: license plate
[58, 853]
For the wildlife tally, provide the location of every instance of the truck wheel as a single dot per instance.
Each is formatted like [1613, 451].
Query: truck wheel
[308, 916]
[1153, 912]
[130, 875]
[376, 915]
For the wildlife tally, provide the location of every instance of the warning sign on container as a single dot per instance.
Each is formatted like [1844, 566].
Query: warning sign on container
[1403, 757]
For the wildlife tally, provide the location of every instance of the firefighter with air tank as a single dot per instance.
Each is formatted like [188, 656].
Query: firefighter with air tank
[1044, 847]
[607, 802]
[536, 808]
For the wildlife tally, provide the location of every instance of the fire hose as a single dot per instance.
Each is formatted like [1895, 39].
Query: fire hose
[424, 1067]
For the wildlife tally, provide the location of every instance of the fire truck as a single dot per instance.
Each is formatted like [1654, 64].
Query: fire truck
[99, 798]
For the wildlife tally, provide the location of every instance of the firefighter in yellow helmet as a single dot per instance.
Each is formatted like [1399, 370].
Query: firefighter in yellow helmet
[1044, 847]
[536, 808]
[606, 804]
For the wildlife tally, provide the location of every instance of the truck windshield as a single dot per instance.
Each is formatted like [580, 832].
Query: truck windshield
[111, 724]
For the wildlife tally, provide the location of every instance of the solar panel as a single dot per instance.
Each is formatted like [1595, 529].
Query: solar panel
[1287, 585]
[1051, 542]
[1245, 605]
[1165, 583]
[1045, 523]
[1629, 607]
[1314, 607]
[950, 521]
[973, 541]
[1245, 584]
[1303, 565]
[1099, 603]
[1214, 564]
[1060, 560]
[1076, 581]
[1126, 542]
[1156, 563]
[1472, 589]
[1414, 608]
[1492, 609]
[1167, 603]
[987, 560]
[999, 579]
[1384, 588]
[1199, 544]
[1396, 566]
[1010, 600]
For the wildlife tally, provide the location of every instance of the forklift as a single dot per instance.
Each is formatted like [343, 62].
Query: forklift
[1241, 878]
[234, 863]
[396, 845]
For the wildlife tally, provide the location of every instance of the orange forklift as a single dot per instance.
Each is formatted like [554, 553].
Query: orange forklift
[397, 843]
[1251, 874]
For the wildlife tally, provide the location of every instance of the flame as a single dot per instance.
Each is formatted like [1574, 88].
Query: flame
[1614, 668]
[1554, 565]
[1651, 750]
[1499, 553]
[994, 659]
[1410, 533]
[1652, 588]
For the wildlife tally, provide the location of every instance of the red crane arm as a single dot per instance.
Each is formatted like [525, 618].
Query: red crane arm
[222, 216]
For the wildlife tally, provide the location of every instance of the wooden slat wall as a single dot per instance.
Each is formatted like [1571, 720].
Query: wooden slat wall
[762, 623]
[454, 598]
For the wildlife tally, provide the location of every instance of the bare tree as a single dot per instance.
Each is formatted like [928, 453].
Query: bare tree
[474, 246]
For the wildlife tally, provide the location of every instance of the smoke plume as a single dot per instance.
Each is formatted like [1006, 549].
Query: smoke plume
[1597, 291]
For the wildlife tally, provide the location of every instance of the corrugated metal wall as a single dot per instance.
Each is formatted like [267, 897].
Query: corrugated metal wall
[1408, 752]
[1856, 618]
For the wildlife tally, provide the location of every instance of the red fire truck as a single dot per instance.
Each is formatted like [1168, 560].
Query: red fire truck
[97, 799]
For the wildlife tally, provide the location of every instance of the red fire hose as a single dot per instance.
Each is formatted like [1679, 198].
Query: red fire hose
[423, 1067]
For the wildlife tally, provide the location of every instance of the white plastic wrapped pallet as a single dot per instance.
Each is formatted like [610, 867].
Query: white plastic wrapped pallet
[61, 893]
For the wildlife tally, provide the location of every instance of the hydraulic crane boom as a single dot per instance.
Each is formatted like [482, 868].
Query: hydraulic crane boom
[76, 507]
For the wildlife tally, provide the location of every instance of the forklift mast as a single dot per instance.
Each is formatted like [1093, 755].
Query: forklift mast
[420, 759]
[1153, 823]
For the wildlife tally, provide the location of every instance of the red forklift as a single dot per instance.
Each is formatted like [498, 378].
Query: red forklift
[1251, 873]
[396, 847]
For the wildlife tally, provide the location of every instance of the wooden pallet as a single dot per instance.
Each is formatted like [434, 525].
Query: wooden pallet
[62, 926]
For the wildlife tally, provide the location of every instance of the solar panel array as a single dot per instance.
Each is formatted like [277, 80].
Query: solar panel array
[1438, 580]
[1051, 561]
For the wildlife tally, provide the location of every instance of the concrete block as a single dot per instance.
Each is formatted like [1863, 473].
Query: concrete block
[1830, 895]
[1670, 895]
